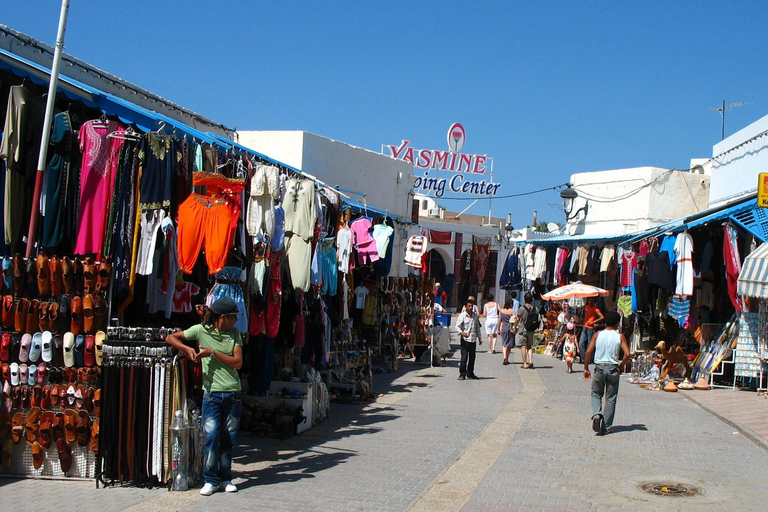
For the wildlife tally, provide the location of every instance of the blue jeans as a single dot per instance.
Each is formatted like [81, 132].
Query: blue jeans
[220, 437]
[605, 383]
[586, 337]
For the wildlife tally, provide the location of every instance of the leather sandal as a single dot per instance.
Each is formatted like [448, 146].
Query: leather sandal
[104, 276]
[65, 454]
[95, 436]
[89, 358]
[46, 403]
[43, 322]
[26, 396]
[88, 313]
[20, 316]
[70, 425]
[37, 455]
[30, 286]
[8, 312]
[58, 355]
[76, 315]
[88, 400]
[19, 275]
[32, 425]
[43, 275]
[53, 317]
[5, 348]
[16, 397]
[98, 346]
[99, 313]
[37, 396]
[97, 402]
[89, 275]
[65, 310]
[46, 426]
[53, 395]
[83, 428]
[32, 316]
[6, 367]
[54, 264]
[68, 275]
[57, 432]
[17, 427]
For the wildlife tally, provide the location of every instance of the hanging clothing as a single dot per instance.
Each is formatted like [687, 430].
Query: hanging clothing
[364, 242]
[204, 221]
[101, 155]
[510, 274]
[264, 189]
[732, 265]
[382, 234]
[229, 284]
[668, 246]
[684, 253]
[679, 308]
[539, 262]
[414, 250]
[61, 177]
[481, 253]
[300, 220]
[606, 257]
[344, 249]
[628, 264]
[157, 153]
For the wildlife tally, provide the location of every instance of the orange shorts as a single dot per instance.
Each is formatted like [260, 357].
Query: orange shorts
[204, 220]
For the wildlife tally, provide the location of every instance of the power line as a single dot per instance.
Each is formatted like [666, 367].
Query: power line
[469, 198]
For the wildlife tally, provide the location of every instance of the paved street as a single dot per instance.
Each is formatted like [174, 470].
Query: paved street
[514, 440]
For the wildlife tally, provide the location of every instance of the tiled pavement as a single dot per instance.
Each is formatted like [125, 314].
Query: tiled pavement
[514, 440]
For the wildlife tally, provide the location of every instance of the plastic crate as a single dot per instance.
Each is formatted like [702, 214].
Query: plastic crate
[443, 319]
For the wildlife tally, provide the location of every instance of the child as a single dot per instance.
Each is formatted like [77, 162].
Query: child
[570, 347]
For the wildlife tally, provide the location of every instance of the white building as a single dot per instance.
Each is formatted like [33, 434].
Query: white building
[737, 161]
[629, 200]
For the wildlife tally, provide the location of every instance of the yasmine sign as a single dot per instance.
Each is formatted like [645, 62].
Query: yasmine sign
[440, 160]
[452, 160]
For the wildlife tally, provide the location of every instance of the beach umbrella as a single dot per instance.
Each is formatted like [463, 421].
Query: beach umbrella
[574, 290]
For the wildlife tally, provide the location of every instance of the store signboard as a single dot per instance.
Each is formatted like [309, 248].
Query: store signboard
[762, 190]
[430, 160]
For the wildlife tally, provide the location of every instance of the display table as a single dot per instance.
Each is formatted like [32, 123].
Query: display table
[305, 398]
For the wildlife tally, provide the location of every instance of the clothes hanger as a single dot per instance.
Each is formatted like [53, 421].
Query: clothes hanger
[128, 134]
[101, 122]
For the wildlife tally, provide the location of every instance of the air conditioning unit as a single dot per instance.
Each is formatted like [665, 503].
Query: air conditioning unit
[434, 212]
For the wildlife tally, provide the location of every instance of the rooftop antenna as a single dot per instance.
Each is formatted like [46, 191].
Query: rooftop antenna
[722, 114]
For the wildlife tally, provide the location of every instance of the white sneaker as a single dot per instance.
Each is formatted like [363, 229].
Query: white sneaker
[208, 489]
[227, 486]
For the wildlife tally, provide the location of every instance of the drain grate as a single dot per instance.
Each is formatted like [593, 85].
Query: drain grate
[671, 489]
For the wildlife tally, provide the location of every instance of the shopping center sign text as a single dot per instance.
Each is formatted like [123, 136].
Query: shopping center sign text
[429, 159]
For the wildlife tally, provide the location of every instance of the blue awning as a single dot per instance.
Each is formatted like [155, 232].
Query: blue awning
[753, 279]
[372, 211]
[575, 239]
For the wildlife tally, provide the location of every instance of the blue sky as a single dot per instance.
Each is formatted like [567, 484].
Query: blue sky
[545, 88]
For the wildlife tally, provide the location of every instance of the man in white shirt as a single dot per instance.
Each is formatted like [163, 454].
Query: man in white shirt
[468, 327]
[605, 346]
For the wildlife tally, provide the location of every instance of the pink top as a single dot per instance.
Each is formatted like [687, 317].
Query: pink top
[366, 245]
[100, 158]
[628, 264]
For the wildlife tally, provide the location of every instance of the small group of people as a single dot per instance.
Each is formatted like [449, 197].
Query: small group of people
[515, 324]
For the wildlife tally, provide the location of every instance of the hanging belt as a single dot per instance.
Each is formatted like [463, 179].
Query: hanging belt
[129, 443]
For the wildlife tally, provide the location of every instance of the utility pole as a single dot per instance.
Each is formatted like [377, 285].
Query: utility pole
[722, 115]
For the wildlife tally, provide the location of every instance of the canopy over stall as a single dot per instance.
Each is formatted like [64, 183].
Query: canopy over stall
[753, 279]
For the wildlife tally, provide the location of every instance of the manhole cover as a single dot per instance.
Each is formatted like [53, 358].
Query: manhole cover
[671, 489]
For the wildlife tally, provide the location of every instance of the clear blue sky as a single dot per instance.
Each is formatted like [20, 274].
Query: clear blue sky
[546, 88]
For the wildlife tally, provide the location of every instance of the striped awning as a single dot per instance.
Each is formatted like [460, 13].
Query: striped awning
[753, 279]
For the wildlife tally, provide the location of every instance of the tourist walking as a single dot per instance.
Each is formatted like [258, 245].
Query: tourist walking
[468, 327]
[491, 314]
[507, 326]
[605, 347]
[526, 326]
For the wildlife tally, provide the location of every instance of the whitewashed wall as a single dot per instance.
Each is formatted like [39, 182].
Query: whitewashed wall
[737, 163]
[628, 200]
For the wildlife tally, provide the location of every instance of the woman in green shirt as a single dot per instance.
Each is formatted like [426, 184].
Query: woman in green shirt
[220, 350]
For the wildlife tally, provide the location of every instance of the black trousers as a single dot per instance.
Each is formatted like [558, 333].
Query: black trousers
[467, 365]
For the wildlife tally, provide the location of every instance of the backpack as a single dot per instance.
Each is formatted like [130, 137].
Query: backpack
[532, 320]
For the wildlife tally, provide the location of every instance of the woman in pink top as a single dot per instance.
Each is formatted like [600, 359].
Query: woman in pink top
[100, 158]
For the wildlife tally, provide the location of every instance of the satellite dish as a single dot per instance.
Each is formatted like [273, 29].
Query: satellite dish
[553, 227]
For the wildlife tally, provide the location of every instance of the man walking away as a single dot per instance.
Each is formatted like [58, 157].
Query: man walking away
[527, 325]
[605, 347]
[468, 327]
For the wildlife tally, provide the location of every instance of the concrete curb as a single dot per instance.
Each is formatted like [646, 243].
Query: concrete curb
[746, 432]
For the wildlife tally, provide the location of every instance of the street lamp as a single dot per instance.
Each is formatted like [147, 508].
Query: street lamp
[509, 232]
[568, 196]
